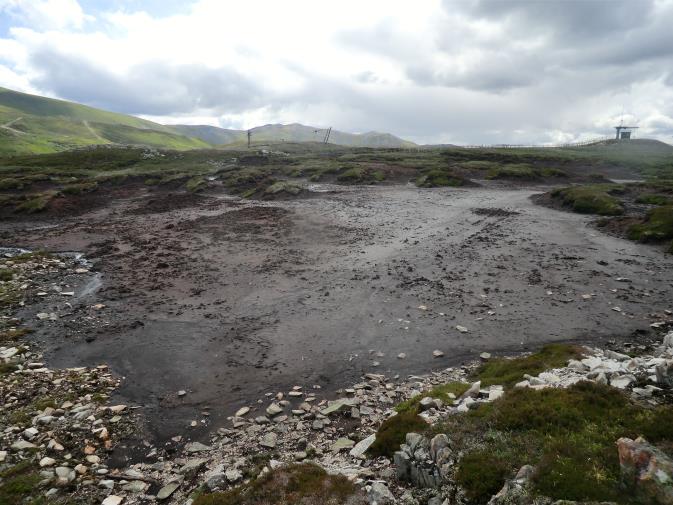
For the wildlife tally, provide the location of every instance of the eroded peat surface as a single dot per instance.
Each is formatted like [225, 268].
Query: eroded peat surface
[229, 299]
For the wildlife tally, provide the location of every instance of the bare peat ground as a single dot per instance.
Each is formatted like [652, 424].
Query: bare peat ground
[230, 299]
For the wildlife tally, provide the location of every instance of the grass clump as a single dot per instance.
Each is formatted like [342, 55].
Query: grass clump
[304, 483]
[513, 170]
[654, 199]
[508, 372]
[79, 188]
[482, 474]
[11, 183]
[196, 184]
[591, 199]
[441, 392]
[18, 483]
[13, 335]
[6, 274]
[34, 203]
[438, 178]
[657, 226]
[393, 432]
[288, 187]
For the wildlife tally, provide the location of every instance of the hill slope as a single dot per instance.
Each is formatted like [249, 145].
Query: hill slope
[35, 124]
[291, 133]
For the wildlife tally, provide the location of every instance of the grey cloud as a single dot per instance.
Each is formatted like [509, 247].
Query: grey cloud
[153, 88]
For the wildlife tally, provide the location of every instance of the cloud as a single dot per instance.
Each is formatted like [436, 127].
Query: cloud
[466, 71]
[45, 14]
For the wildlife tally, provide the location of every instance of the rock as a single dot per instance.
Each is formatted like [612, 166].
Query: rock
[135, 486]
[461, 329]
[341, 444]
[274, 409]
[269, 440]
[516, 491]
[192, 467]
[622, 381]
[22, 445]
[647, 469]
[664, 373]
[216, 478]
[65, 474]
[3, 456]
[112, 500]
[182, 392]
[233, 475]
[166, 491]
[262, 420]
[197, 447]
[437, 444]
[338, 405]
[30, 433]
[473, 391]
[485, 356]
[47, 462]
[361, 447]
[668, 340]
[401, 355]
[379, 494]
[437, 353]
[242, 411]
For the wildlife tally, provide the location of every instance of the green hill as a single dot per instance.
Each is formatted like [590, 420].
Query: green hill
[35, 124]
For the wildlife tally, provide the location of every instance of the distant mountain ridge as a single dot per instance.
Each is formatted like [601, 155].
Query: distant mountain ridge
[36, 124]
[291, 133]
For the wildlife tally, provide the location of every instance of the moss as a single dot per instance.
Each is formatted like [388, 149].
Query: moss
[393, 431]
[18, 483]
[657, 226]
[654, 199]
[441, 392]
[301, 483]
[591, 199]
[284, 187]
[508, 372]
[9, 295]
[479, 165]
[481, 474]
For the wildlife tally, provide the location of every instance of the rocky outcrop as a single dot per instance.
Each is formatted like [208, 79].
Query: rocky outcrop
[648, 470]
[423, 462]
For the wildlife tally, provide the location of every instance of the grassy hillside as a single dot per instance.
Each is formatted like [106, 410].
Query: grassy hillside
[34, 124]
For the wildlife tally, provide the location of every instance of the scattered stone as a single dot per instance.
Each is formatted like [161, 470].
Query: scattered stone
[113, 500]
[269, 441]
[197, 447]
[166, 491]
[379, 494]
[437, 353]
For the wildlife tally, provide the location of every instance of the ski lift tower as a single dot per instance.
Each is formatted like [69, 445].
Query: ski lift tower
[625, 132]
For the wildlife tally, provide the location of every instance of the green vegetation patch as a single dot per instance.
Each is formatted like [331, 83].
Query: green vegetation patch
[591, 199]
[196, 184]
[442, 392]
[654, 199]
[568, 435]
[508, 372]
[18, 483]
[79, 188]
[361, 175]
[301, 484]
[657, 226]
[513, 170]
[289, 187]
[34, 203]
[11, 183]
[393, 432]
[439, 178]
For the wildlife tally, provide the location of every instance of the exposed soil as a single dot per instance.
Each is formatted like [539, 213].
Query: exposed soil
[230, 299]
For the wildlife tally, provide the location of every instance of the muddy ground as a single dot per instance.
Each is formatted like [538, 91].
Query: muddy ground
[230, 299]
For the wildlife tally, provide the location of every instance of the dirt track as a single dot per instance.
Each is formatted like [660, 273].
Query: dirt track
[230, 300]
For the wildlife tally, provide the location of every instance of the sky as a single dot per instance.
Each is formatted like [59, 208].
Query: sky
[431, 71]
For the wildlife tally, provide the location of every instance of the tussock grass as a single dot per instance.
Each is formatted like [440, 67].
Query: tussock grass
[657, 226]
[393, 431]
[591, 199]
